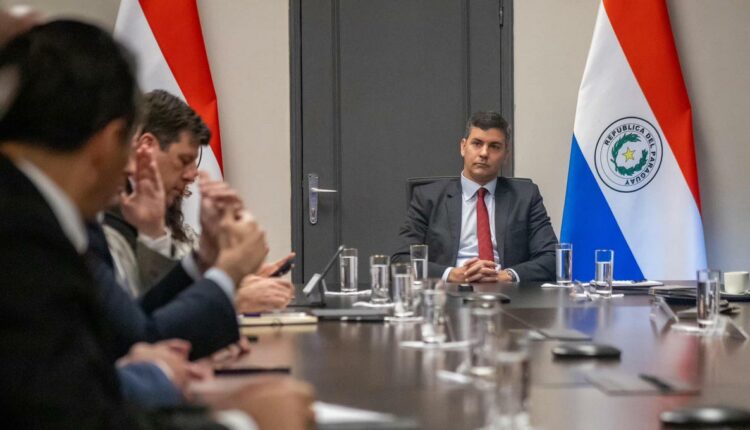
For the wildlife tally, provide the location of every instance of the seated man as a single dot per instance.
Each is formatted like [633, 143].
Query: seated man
[63, 143]
[193, 302]
[481, 227]
[145, 232]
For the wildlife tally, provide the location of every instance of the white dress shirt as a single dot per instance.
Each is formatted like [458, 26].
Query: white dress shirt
[468, 245]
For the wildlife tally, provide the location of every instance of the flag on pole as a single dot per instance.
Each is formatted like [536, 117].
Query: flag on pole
[167, 40]
[632, 180]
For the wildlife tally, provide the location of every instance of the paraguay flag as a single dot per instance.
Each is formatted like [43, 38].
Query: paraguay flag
[632, 181]
[167, 40]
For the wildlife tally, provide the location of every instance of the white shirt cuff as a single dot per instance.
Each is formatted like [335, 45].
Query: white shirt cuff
[235, 419]
[162, 244]
[222, 280]
[446, 273]
[515, 274]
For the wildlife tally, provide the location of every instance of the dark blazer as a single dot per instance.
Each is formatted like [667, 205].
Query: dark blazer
[146, 385]
[177, 307]
[524, 236]
[55, 370]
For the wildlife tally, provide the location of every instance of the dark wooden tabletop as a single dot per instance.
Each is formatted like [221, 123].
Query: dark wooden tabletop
[363, 364]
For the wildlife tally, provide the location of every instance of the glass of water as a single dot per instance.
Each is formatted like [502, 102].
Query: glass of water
[564, 263]
[348, 270]
[605, 265]
[512, 382]
[419, 262]
[379, 279]
[433, 311]
[707, 297]
[484, 338]
[402, 290]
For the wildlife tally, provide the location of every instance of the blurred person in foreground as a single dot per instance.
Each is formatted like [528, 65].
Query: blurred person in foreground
[64, 140]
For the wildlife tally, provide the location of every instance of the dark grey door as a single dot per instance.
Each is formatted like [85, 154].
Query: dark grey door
[381, 90]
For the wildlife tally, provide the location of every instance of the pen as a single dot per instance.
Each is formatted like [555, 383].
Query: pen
[661, 385]
[250, 370]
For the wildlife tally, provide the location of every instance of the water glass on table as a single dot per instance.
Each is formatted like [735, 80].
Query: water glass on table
[348, 270]
[485, 334]
[605, 266]
[707, 297]
[512, 383]
[379, 278]
[419, 260]
[564, 264]
[432, 309]
[402, 290]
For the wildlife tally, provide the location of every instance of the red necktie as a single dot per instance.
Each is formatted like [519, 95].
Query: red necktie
[483, 228]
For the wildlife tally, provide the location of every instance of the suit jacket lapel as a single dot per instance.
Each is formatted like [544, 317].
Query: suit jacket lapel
[502, 207]
[453, 204]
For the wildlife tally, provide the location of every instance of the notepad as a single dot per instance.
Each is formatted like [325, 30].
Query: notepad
[276, 319]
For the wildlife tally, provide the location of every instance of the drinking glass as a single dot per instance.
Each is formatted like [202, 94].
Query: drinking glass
[348, 270]
[433, 311]
[379, 280]
[512, 382]
[419, 262]
[484, 338]
[564, 263]
[402, 290]
[605, 262]
[707, 297]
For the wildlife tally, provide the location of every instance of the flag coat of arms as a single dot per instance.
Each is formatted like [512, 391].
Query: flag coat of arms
[167, 40]
[632, 180]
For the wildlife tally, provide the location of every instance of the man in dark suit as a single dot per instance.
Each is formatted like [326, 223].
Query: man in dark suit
[64, 139]
[481, 227]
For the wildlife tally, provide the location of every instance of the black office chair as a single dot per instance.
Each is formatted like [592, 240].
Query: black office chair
[411, 183]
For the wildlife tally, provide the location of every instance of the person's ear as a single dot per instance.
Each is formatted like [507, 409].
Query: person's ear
[148, 140]
[463, 146]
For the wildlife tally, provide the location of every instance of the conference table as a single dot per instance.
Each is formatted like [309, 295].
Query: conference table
[364, 365]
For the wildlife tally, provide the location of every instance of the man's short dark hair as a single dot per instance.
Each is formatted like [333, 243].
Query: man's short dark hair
[486, 120]
[73, 80]
[166, 117]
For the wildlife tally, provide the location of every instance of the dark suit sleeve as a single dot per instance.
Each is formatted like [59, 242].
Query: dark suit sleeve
[145, 385]
[199, 312]
[414, 231]
[176, 281]
[53, 368]
[541, 240]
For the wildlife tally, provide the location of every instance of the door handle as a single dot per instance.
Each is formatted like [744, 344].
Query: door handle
[312, 196]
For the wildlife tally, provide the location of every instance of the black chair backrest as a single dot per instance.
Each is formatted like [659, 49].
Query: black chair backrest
[415, 182]
[411, 183]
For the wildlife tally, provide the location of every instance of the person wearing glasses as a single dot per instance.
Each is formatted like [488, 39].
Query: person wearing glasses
[146, 232]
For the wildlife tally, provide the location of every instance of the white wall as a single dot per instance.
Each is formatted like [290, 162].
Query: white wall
[552, 39]
[247, 43]
[248, 49]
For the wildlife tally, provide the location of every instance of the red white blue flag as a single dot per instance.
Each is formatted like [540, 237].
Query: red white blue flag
[632, 181]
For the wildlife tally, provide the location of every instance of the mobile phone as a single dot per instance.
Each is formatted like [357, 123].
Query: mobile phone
[281, 271]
